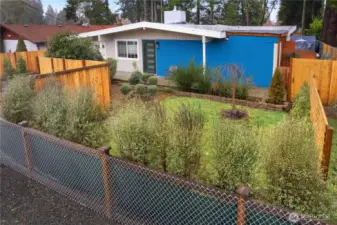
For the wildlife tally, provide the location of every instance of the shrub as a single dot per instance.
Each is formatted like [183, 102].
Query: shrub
[301, 107]
[146, 77]
[135, 78]
[235, 153]
[241, 91]
[112, 67]
[21, 46]
[133, 132]
[276, 89]
[152, 80]
[8, 70]
[125, 89]
[152, 90]
[50, 109]
[204, 81]
[21, 66]
[85, 118]
[292, 169]
[17, 99]
[140, 89]
[67, 45]
[188, 125]
[185, 78]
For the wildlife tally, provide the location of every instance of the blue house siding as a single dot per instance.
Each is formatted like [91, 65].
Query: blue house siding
[177, 52]
[254, 55]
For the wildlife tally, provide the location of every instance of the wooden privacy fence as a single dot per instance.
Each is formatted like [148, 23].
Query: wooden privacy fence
[328, 51]
[92, 76]
[323, 132]
[301, 71]
[50, 65]
[31, 59]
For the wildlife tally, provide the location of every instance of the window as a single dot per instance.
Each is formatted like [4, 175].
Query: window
[127, 49]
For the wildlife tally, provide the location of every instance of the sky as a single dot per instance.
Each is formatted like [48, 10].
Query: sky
[59, 5]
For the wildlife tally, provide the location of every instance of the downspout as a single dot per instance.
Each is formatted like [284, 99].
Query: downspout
[204, 52]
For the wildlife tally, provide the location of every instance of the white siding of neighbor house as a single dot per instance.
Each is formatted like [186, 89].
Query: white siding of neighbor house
[10, 45]
[125, 65]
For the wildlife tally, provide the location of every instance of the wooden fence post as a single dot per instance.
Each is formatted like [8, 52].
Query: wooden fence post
[52, 65]
[242, 194]
[290, 79]
[26, 146]
[64, 64]
[105, 171]
[327, 151]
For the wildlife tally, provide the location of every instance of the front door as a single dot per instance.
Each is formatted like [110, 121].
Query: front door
[149, 56]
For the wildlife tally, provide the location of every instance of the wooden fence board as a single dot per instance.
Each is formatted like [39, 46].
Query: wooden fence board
[30, 58]
[46, 65]
[325, 76]
[58, 64]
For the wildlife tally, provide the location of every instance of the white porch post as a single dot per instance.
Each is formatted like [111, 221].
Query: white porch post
[204, 52]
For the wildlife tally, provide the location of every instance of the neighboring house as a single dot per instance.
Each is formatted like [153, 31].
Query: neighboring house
[158, 47]
[36, 36]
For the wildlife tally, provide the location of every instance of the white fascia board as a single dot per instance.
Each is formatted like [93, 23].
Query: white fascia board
[156, 26]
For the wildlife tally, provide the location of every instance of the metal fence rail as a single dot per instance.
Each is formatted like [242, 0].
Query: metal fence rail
[126, 192]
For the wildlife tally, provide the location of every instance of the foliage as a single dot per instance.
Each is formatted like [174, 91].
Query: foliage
[17, 98]
[21, 46]
[140, 89]
[50, 16]
[152, 90]
[21, 66]
[276, 89]
[315, 28]
[292, 169]
[185, 78]
[112, 67]
[66, 45]
[146, 77]
[135, 77]
[125, 89]
[152, 80]
[188, 125]
[85, 118]
[8, 70]
[50, 109]
[241, 91]
[204, 81]
[301, 106]
[235, 153]
[75, 116]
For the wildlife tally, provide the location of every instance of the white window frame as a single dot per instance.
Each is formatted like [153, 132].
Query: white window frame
[126, 58]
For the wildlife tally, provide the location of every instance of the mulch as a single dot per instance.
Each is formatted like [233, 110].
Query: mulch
[25, 201]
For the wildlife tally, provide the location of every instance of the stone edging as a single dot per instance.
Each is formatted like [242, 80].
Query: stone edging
[252, 104]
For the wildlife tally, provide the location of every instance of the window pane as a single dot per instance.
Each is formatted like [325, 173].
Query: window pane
[132, 49]
[121, 49]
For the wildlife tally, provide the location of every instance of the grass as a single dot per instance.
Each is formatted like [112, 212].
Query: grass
[333, 158]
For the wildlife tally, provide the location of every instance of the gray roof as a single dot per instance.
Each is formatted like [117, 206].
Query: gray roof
[246, 29]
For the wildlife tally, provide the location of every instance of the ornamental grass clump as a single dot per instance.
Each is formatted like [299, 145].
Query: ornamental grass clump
[188, 123]
[292, 169]
[17, 99]
[235, 153]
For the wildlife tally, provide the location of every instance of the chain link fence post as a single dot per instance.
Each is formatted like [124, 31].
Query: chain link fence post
[104, 150]
[26, 145]
[242, 194]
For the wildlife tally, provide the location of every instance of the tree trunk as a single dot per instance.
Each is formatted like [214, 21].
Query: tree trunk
[303, 15]
[329, 32]
[145, 13]
[198, 12]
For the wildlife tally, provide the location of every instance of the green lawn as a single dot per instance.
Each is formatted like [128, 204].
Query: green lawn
[333, 159]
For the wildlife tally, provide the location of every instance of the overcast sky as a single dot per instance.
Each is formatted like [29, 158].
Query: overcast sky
[59, 5]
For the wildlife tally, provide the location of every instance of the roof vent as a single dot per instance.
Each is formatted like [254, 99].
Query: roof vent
[25, 25]
[60, 25]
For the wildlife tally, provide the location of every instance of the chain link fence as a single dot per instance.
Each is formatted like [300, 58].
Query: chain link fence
[126, 192]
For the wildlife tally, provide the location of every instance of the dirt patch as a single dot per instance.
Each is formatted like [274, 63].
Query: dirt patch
[24, 201]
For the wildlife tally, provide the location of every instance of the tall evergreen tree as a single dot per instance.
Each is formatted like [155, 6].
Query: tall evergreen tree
[290, 12]
[61, 17]
[50, 15]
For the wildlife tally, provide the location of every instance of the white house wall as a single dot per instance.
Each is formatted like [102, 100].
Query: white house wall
[125, 65]
[10, 45]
